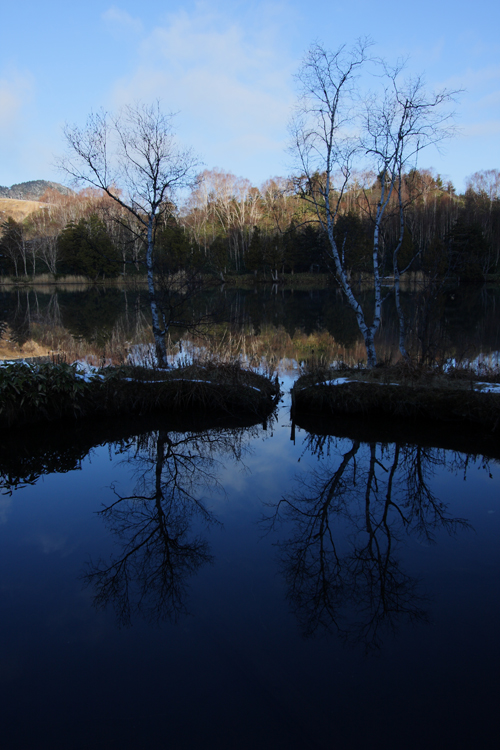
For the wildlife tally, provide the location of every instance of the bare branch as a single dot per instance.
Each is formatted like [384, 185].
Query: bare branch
[134, 158]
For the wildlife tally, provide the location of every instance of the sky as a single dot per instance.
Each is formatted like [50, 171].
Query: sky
[227, 70]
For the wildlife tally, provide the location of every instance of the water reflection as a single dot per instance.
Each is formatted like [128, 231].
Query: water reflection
[350, 516]
[348, 521]
[157, 528]
[24, 459]
[456, 322]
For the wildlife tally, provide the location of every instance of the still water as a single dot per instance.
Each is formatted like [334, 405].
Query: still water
[457, 322]
[204, 586]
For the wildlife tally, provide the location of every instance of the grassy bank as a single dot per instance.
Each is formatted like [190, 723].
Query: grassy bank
[46, 392]
[236, 280]
[300, 280]
[70, 281]
[458, 397]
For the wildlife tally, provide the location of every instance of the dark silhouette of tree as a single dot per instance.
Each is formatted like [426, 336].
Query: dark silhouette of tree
[350, 517]
[92, 314]
[13, 255]
[469, 251]
[159, 550]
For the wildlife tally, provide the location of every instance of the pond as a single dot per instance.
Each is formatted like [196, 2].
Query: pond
[184, 584]
[458, 322]
[206, 585]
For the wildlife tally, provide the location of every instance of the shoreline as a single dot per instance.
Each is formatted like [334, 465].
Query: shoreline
[46, 392]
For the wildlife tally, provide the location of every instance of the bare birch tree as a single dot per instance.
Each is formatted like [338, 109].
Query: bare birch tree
[334, 129]
[400, 123]
[136, 161]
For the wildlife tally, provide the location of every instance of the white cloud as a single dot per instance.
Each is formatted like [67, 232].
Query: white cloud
[482, 129]
[51, 543]
[230, 81]
[15, 92]
[475, 81]
[490, 100]
[423, 57]
[120, 21]
[478, 120]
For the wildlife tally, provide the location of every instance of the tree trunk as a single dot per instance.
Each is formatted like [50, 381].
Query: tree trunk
[156, 314]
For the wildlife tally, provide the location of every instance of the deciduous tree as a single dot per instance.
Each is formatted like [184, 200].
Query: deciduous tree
[134, 152]
[335, 129]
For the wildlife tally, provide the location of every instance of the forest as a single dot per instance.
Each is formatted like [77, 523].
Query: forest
[225, 227]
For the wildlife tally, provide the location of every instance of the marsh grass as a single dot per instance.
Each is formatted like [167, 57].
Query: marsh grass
[42, 280]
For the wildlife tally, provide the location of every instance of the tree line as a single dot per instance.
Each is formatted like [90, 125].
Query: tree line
[226, 225]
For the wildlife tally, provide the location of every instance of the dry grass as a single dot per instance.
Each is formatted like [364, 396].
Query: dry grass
[9, 349]
[41, 281]
[276, 346]
[18, 209]
[68, 282]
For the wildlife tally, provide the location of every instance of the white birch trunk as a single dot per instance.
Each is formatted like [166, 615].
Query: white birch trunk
[368, 332]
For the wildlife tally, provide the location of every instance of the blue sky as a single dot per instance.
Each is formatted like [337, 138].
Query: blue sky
[227, 69]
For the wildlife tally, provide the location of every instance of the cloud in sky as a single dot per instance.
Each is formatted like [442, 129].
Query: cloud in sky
[122, 22]
[15, 92]
[229, 74]
[227, 68]
[230, 83]
[479, 116]
[5, 508]
[476, 80]
[482, 129]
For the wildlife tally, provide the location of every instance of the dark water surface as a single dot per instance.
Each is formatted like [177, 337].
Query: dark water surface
[456, 322]
[232, 588]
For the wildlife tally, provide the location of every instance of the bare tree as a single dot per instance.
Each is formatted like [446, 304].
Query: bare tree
[398, 125]
[14, 245]
[334, 129]
[43, 233]
[136, 161]
[158, 548]
[224, 205]
[486, 182]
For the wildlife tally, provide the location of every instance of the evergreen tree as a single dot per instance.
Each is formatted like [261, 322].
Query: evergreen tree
[12, 243]
[86, 248]
[353, 240]
[175, 251]
[254, 258]
[469, 251]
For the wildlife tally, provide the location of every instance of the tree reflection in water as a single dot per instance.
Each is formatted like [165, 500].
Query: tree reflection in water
[349, 518]
[158, 549]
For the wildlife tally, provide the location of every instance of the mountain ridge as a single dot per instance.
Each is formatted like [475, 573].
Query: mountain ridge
[32, 190]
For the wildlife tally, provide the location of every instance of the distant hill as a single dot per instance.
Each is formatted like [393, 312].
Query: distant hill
[32, 190]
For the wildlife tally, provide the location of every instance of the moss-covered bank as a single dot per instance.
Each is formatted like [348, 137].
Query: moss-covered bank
[45, 392]
[457, 397]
